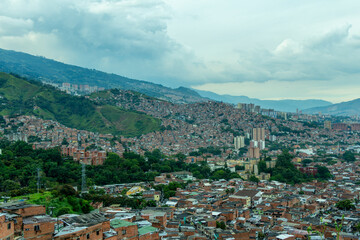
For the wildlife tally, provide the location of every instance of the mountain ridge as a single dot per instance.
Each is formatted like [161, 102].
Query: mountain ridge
[43, 69]
[348, 108]
[286, 105]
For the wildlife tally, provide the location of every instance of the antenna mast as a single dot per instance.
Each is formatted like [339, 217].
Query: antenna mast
[83, 178]
[38, 180]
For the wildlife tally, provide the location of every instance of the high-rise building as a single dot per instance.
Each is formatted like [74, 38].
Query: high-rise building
[254, 144]
[261, 144]
[240, 106]
[258, 134]
[327, 125]
[239, 142]
[272, 138]
[254, 153]
[282, 115]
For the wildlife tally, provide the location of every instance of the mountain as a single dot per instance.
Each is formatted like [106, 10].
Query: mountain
[40, 68]
[287, 105]
[350, 108]
[20, 96]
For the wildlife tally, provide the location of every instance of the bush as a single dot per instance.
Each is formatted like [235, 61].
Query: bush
[63, 210]
[67, 190]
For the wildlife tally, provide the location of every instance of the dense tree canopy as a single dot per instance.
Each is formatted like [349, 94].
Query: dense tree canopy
[349, 156]
[345, 205]
[285, 171]
[19, 164]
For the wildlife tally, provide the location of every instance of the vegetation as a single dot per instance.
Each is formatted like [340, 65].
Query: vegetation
[323, 173]
[19, 164]
[254, 179]
[170, 189]
[221, 225]
[349, 156]
[285, 171]
[223, 173]
[202, 150]
[345, 205]
[59, 203]
[107, 200]
[239, 168]
[21, 96]
[35, 67]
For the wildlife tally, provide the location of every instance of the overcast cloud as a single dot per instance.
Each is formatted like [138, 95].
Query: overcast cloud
[266, 49]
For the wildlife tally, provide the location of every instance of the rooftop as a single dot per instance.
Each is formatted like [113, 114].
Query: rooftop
[117, 223]
[147, 229]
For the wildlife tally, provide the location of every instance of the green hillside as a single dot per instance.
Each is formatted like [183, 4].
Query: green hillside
[20, 96]
[42, 69]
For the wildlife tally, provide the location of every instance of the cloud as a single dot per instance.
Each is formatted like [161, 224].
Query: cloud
[128, 37]
[325, 66]
[185, 43]
[322, 58]
[14, 26]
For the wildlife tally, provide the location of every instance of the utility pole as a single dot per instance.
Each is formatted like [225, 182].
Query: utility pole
[51, 209]
[38, 180]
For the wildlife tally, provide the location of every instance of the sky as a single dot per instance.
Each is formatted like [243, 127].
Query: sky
[276, 49]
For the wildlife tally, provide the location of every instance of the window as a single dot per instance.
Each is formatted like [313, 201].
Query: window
[123, 232]
[27, 229]
[8, 238]
[9, 225]
[97, 232]
[88, 236]
[36, 228]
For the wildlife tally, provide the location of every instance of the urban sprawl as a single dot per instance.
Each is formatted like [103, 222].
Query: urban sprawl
[254, 206]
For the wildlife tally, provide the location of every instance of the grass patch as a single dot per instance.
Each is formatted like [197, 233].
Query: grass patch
[57, 204]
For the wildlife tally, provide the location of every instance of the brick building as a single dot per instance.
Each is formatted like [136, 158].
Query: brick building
[6, 227]
[39, 227]
[87, 226]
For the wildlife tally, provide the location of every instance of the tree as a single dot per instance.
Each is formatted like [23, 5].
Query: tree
[180, 156]
[230, 190]
[323, 172]
[285, 171]
[63, 210]
[67, 190]
[221, 225]
[9, 185]
[284, 160]
[349, 156]
[306, 161]
[64, 142]
[85, 206]
[239, 168]
[262, 166]
[345, 205]
[254, 179]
